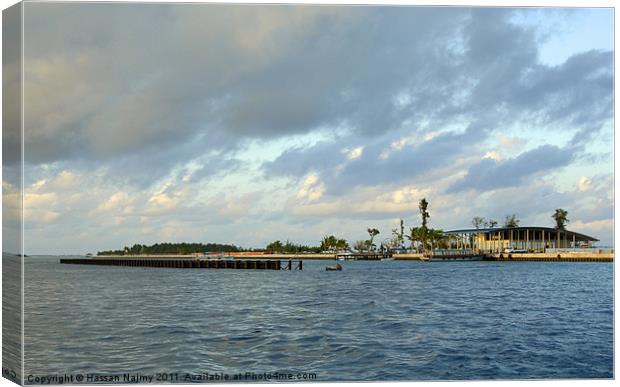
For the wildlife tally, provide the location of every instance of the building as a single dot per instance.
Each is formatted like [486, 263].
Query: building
[532, 239]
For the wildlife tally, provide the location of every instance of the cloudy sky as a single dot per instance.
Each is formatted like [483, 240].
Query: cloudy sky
[244, 124]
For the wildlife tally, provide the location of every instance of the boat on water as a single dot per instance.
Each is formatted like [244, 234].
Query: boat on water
[451, 255]
[387, 259]
[336, 267]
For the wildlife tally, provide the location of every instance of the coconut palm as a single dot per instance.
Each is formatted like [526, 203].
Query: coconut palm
[423, 206]
[342, 245]
[560, 217]
[373, 232]
[360, 246]
[435, 236]
[398, 236]
[413, 236]
[418, 234]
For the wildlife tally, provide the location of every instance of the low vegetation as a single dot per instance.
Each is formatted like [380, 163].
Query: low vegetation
[171, 248]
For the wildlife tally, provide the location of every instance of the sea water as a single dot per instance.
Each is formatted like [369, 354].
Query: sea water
[387, 320]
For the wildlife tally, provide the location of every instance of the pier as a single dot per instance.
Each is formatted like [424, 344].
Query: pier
[188, 263]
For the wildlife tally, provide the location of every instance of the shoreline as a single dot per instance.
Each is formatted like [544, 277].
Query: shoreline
[499, 257]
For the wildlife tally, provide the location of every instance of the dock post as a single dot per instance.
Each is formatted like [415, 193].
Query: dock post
[301, 265]
[290, 265]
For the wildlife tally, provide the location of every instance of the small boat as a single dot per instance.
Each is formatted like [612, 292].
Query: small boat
[336, 267]
[387, 259]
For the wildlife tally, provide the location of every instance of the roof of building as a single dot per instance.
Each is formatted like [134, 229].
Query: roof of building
[578, 236]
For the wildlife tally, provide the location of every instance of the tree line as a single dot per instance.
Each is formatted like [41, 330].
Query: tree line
[560, 218]
[421, 238]
[171, 248]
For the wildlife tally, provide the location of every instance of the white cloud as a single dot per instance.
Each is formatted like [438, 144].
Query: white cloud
[311, 189]
[354, 153]
[584, 184]
[495, 155]
[160, 204]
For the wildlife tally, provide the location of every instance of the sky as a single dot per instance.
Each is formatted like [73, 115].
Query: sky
[246, 124]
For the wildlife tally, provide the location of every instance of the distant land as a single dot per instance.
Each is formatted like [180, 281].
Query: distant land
[190, 248]
[172, 248]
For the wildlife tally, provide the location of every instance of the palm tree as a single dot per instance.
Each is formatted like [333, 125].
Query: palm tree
[373, 232]
[435, 236]
[423, 206]
[398, 237]
[418, 234]
[413, 236]
[360, 246]
[329, 243]
[341, 245]
[560, 217]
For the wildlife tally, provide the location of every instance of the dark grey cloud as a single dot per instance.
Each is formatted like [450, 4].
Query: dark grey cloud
[146, 87]
[380, 161]
[489, 174]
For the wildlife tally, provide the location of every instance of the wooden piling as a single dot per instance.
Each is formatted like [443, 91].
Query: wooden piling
[187, 263]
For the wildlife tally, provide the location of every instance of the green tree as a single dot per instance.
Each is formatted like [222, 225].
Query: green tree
[416, 234]
[328, 243]
[436, 236]
[560, 218]
[342, 245]
[373, 232]
[477, 221]
[423, 206]
[276, 246]
[360, 246]
[511, 221]
[398, 235]
[331, 243]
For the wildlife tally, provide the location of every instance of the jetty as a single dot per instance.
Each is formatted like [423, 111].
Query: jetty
[189, 263]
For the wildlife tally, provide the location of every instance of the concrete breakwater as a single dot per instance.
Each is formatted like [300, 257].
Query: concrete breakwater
[553, 257]
[531, 257]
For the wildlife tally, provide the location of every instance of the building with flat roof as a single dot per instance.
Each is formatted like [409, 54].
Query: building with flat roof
[530, 238]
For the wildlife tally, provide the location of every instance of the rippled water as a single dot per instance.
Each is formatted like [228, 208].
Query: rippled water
[372, 321]
[11, 317]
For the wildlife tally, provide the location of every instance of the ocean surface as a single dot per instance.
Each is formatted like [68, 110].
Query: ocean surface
[377, 321]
